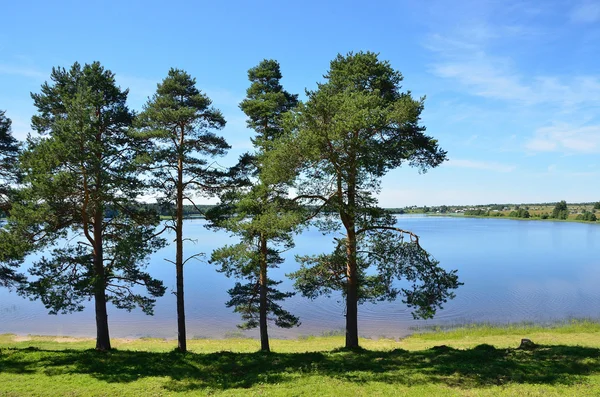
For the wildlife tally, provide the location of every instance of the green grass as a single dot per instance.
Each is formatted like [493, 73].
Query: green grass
[468, 361]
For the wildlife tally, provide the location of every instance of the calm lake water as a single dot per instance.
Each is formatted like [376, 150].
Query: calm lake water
[512, 271]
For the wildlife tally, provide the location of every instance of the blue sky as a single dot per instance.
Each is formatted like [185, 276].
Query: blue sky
[512, 87]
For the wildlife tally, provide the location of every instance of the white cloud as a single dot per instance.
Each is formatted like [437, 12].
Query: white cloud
[496, 77]
[467, 57]
[471, 139]
[586, 12]
[463, 195]
[23, 71]
[566, 138]
[480, 165]
[467, 54]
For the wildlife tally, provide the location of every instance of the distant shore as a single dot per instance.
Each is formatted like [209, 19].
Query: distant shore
[513, 218]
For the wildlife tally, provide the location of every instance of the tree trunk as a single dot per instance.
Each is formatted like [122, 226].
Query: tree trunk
[102, 335]
[264, 336]
[351, 271]
[351, 292]
[181, 337]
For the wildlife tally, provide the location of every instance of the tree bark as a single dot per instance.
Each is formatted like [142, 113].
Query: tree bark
[351, 292]
[102, 335]
[351, 270]
[264, 336]
[181, 334]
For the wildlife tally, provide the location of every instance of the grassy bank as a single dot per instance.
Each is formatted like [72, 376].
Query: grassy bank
[469, 361]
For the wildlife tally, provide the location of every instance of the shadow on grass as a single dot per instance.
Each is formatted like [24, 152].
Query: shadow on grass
[482, 366]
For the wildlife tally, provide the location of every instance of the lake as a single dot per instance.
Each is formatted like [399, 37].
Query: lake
[512, 271]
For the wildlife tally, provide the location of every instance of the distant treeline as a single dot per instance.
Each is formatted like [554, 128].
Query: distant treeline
[561, 210]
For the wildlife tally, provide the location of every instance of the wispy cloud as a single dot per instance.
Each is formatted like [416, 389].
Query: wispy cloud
[23, 71]
[490, 58]
[586, 12]
[564, 137]
[497, 77]
[480, 165]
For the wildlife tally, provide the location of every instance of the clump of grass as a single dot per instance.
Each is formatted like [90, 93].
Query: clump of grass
[152, 339]
[334, 332]
[236, 335]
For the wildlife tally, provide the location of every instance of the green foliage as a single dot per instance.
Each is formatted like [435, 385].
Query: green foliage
[597, 206]
[587, 216]
[80, 165]
[354, 128]
[520, 213]
[242, 297]
[11, 249]
[64, 280]
[266, 103]
[177, 123]
[390, 259]
[9, 150]
[560, 211]
[257, 211]
[477, 212]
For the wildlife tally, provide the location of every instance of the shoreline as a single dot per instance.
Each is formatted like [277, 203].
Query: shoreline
[439, 329]
[512, 218]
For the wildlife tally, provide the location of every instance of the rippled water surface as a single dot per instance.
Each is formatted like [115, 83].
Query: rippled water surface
[512, 270]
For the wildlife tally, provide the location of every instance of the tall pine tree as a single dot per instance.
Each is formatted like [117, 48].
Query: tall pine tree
[78, 169]
[178, 123]
[260, 214]
[352, 130]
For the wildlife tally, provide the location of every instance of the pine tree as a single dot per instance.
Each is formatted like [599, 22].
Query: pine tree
[78, 169]
[352, 130]
[260, 213]
[177, 122]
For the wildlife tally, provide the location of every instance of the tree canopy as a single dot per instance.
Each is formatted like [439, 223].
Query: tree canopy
[587, 216]
[560, 210]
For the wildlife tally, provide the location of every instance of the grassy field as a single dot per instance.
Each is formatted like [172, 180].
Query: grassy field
[470, 361]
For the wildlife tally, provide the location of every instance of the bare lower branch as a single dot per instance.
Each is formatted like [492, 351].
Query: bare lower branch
[413, 237]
